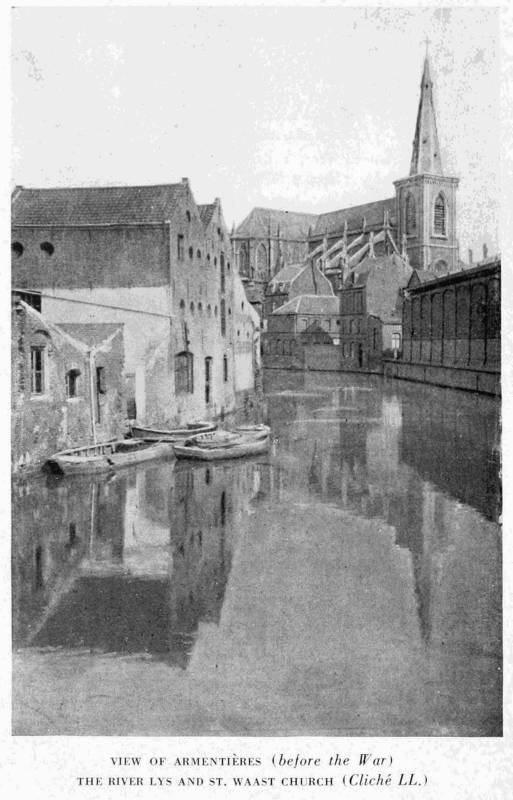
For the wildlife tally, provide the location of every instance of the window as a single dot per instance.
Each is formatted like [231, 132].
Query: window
[223, 318]
[192, 307]
[208, 379]
[37, 370]
[188, 216]
[184, 375]
[439, 220]
[191, 252]
[72, 382]
[200, 307]
[396, 341]
[411, 215]
[198, 253]
[182, 305]
[180, 247]
[374, 339]
[225, 368]
[47, 247]
[17, 249]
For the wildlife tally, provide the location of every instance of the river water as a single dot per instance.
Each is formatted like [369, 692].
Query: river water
[348, 583]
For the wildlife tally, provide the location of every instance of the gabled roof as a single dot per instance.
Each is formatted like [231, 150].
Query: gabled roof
[374, 213]
[206, 213]
[93, 205]
[419, 276]
[285, 275]
[310, 304]
[383, 277]
[262, 222]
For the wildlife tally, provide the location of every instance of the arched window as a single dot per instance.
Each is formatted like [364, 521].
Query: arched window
[17, 248]
[243, 260]
[48, 248]
[184, 373]
[188, 216]
[261, 262]
[191, 252]
[37, 369]
[72, 377]
[439, 216]
[192, 307]
[198, 253]
[182, 305]
[411, 215]
[223, 317]
[225, 368]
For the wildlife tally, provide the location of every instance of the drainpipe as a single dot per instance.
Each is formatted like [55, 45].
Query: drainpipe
[91, 391]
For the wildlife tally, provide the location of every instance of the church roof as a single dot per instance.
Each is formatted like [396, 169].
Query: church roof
[262, 222]
[311, 304]
[374, 213]
[94, 205]
[285, 275]
[426, 148]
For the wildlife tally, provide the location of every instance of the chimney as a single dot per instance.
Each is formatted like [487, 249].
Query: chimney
[217, 202]
[485, 252]
[185, 181]
[470, 257]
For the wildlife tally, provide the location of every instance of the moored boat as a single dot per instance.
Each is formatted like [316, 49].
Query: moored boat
[223, 444]
[107, 456]
[171, 434]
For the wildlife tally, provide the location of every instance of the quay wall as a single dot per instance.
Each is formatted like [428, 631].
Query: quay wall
[473, 380]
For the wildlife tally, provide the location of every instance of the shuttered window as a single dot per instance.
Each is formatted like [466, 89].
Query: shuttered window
[411, 215]
[440, 216]
[184, 375]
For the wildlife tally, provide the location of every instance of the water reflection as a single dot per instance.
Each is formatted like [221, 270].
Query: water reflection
[131, 564]
[360, 559]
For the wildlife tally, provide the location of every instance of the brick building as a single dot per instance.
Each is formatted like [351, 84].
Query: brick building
[151, 259]
[66, 391]
[306, 320]
[370, 311]
[292, 281]
[451, 329]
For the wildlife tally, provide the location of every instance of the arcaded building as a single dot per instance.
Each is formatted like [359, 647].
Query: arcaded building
[150, 259]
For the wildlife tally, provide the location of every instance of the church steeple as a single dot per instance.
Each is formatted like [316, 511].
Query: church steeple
[426, 149]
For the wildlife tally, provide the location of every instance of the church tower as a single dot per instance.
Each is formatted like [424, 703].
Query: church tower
[426, 199]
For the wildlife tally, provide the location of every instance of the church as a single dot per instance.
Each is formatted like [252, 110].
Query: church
[417, 224]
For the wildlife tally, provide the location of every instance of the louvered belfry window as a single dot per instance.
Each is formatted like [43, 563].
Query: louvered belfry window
[440, 216]
[411, 216]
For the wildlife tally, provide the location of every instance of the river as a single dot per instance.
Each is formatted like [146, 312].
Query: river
[348, 583]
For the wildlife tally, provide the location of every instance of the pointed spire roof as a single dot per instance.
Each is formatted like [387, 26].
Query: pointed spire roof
[426, 149]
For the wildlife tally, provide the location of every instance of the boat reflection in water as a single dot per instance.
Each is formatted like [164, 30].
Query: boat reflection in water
[348, 582]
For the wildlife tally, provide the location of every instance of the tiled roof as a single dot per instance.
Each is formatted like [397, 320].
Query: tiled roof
[93, 205]
[311, 304]
[374, 213]
[383, 277]
[285, 275]
[262, 222]
[206, 213]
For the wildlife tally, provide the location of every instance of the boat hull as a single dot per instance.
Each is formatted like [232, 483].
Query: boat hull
[173, 435]
[198, 453]
[105, 457]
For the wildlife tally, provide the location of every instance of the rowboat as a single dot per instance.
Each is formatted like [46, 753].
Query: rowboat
[106, 456]
[173, 434]
[223, 444]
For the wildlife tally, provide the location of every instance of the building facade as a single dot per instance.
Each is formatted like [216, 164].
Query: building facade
[370, 312]
[303, 322]
[451, 330]
[151, 259]
[66, 391]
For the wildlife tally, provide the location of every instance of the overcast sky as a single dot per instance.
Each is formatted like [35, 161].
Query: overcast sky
[307, 109]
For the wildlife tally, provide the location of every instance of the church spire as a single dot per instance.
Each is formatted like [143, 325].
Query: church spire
[426, 149]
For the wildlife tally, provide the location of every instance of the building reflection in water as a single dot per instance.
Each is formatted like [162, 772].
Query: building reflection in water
[128, 564]
[362, 552]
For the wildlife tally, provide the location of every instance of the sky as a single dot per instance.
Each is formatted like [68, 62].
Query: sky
[306, 109]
